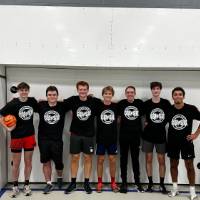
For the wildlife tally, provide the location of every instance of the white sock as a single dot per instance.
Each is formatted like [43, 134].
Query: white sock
[59, 176]
[192, 191]
[175, 185]
[49, 182]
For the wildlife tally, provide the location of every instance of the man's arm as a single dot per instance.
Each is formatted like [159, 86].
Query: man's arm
[4, 126]
[193, 136]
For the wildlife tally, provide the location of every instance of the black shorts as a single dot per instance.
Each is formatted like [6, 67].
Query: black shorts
[80, 144]
[175, 147]
[51, 150]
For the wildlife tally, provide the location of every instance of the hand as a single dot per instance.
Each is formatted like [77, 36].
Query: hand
[192, 137]
[9, 129]
[145, 124]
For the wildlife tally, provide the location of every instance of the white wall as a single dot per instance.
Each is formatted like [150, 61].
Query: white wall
[109, 37]
[65, 80]
[3, 146]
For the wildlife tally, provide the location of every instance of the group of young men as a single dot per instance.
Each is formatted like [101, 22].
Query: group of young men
[127, 113]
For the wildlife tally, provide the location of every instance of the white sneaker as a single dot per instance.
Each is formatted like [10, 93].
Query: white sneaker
[192, 197]
[173, 193]
[27, 190]
[15, 192]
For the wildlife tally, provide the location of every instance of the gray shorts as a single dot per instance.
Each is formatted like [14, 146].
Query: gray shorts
[80, 144]
[148, 147]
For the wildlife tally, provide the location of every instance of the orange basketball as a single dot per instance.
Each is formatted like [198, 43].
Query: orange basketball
[10, 120]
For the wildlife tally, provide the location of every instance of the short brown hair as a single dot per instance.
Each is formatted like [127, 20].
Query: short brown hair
[130, 86]
[51, 88]
[108, 88]
[82, 83]
[155, 84]
[23, 85]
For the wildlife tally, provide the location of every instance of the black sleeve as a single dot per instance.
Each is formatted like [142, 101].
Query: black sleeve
[142, 107]
[68, 103]
[119, 108]
[97, 104]
[35, 104]
[7, 109]
[196, 113]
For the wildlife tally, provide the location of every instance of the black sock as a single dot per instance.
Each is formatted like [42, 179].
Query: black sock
[162, 180]
[15, 183]
[86, 180]
[26, 182]
[150, 180]
[73, 180]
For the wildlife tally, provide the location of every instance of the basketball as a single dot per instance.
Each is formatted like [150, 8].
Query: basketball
[10, 120]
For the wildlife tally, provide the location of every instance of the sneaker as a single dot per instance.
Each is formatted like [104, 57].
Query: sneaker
[162, 189]
[59, 183]
[123, 188]
[173, 193]
[140, 188]
[149, 188]
[27, 190]
[99, 187]
[48, 188]
[192, 197]
[71, 187]
[15, 192]
[87, 188]
[114, 187]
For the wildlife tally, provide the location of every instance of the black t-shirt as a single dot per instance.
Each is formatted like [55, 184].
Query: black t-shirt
[131, 114]
[180, 122]
[107, 123]
[51, 120]
[23, 111]
[157, 118]
[83, 115]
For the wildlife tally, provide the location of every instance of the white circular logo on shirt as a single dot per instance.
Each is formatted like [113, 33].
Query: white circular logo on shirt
[83, 113]
[179, 122]
[107, 116]
[26, 112]
[131, 112]
[51, 117]
[157, 115]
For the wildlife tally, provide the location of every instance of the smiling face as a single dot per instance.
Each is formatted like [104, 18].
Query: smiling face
[82, 91]
[23, 92]
[130, 94]
[178, 97]
[107, 96]
[156, 91]
[52, 97]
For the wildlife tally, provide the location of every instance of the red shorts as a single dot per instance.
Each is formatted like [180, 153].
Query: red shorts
[26, 143]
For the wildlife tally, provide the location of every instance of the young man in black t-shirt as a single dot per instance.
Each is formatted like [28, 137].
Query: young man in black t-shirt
[156, 111]
[83, 110]
[50, 130]
[131, 110]
[180, 139]
[107, 137]
[22, 135]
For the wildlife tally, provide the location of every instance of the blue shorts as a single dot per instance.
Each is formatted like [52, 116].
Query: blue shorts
[110, 149]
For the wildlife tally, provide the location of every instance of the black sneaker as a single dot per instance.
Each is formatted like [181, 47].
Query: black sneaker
[140, 188]
[59, 183]
[149, 188]
[163, 189]
[71, 187]
[123, 188]
[87, 188]
[48, 188]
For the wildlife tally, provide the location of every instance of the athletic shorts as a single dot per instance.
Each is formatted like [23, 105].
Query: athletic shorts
[102, 149]
[175, 148]
[51, 150]
[26, 143]
[80, 144]
[148, 147]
